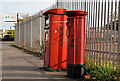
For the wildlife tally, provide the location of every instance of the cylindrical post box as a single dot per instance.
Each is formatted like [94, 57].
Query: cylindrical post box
[55, 39]
[76, 38]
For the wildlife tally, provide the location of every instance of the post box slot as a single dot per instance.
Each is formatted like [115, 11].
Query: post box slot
[68, 32]
[47, 21]
[46, 36]
[67, 23]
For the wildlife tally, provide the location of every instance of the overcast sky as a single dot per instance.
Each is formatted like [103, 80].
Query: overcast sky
[20, 6]
[32, 6]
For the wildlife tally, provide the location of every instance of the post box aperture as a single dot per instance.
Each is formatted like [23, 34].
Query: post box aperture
[47, 21]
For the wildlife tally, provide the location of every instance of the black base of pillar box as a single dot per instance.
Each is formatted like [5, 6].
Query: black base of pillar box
[75, 70]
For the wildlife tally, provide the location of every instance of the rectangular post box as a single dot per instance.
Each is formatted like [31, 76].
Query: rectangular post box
[55, 38]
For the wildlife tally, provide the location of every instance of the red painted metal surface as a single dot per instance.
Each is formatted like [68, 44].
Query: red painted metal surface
[76, 36]
[56, 46]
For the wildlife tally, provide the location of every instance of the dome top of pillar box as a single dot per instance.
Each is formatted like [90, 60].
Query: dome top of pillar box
[59, 11]
[76, 13]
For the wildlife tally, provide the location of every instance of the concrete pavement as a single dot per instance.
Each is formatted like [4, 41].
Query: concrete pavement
[16, 64]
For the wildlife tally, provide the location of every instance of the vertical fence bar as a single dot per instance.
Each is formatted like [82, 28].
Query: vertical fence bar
[98, 31]
[114, 33]
[93, 49]
[56, 2]
[95, 29]
[85, 4]
[92, 28]
[78, 4]
[25, 34]
[19, 34]
[73, 6]
[91, 52]
[31, 33]
[62, 4]
[68, 4]
[101, 32]
[40, 29]
[104, 32]
[118, 55]
[89, 31]
[81, 5]
[111, 29]
[107, 36]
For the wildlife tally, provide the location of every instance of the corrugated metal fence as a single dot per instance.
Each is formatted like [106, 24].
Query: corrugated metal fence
[102, 43]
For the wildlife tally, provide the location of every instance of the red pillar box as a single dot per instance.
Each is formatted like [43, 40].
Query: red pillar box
[55, 39]
[76, 38]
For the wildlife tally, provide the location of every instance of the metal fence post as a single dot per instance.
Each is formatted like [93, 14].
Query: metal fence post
[19, 35]
[118, 55]
[25, 33]
[83, 5]
[56, 3]
[40, 29]
[31, 33]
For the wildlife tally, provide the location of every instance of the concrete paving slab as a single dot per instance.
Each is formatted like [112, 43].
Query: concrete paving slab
[16, 64]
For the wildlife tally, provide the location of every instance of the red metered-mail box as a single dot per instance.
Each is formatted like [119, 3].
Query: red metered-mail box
[76, 38]
[55, 38]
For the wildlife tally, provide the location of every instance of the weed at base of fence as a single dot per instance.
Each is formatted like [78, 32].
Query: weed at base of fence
[41, 47]
[13, 44]
[108, 72]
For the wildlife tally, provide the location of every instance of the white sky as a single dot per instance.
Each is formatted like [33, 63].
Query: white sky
[20, 6]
